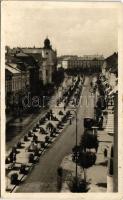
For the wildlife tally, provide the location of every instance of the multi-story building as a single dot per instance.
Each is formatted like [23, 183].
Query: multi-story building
[85, 62]
[110, 69]
[28, 64]
[110, 72]
[43, 59]
[13, 85]
[46, 59]
[28, 69]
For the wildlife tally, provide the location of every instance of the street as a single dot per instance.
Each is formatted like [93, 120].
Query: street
[17, 129]
[43, 177]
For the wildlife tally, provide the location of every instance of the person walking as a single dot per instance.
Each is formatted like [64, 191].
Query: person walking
[59, 178]
[105, 152]
[101, 123]
[91, 84]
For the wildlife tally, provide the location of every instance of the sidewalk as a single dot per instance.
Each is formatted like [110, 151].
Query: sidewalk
[17, 129]
[97, 174]
[28, 146]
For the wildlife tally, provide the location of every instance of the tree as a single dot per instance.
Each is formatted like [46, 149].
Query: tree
[87, 159]
[31, 158]
[14, 178]
[89, 140]
[101, 103]
[25, 138]
[78, 185]
[47, 139]
[98, 113]
[23, 169]
[42, 144]
[50, 126]
[88, 122]
[58, 76]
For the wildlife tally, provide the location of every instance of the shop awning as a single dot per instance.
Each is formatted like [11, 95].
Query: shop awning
[114, 90]
[107, 89]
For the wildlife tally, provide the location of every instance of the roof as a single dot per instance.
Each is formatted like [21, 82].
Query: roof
[65, 59]
[12, 69]
[36, 56]
[18, 66]
[114, 70]
[13, 65]
[84, 58]
[92, 57]
[29, 59]
[32, 50]
[12, 58]
[112, 61]
[114, 90]
[21, 54]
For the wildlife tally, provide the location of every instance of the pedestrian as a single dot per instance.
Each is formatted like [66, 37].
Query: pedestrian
[91, 92]
[105, 152]
[11, 157]
[100, 123]
[59, 178]
[96, 146]
[14, 157]
[91, 84]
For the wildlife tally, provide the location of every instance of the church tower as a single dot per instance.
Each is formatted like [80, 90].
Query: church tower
[48, 61]
[47, 44]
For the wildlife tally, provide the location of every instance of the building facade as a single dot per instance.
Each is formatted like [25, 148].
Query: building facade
[110, 69]
[43, 59]
[27, 70]
[72, 62]
[12, 85]
[46, 60]
[110, 72]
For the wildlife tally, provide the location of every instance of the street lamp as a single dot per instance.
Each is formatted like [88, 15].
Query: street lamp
[76, 172]
[75, 110]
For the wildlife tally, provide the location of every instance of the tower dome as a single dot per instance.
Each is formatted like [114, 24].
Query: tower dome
[47, 44]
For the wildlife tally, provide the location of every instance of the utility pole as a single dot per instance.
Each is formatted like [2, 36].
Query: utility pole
[76, 153]
[76, 145]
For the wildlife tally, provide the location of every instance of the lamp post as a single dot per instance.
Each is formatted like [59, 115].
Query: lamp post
[76, 143]
[76, 171]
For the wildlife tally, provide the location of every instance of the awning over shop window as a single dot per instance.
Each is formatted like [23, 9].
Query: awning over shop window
[114, 90]
[107, 89]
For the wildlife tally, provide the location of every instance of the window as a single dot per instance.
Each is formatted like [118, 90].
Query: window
[13, 84]
[46, 72]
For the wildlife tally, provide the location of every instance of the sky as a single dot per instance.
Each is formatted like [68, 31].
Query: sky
[72, 28]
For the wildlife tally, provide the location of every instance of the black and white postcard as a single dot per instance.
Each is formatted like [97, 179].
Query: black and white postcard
[61, 84]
